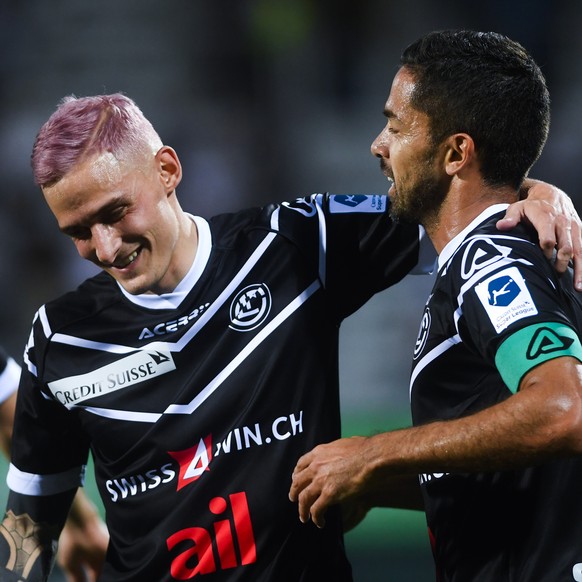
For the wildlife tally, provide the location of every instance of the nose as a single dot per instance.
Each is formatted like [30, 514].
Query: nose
[379, 147]
[106, 243]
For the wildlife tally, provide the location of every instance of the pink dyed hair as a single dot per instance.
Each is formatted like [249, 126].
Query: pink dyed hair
[87, 126]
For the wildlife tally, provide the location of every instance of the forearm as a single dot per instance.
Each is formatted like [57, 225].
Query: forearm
[30, 530]
[27, 548]
[532, 426]
[7, 408]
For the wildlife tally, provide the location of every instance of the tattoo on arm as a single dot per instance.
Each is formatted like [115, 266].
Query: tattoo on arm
[27, 547]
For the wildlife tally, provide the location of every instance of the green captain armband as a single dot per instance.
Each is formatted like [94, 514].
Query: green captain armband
[533, 345]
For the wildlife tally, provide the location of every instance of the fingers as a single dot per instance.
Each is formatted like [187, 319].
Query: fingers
[305, 491]
[513, 216]
[577, 254]
[564, 244]
[559, 231]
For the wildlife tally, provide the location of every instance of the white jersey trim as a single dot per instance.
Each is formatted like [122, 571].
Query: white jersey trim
[33, 484]
[174, 299]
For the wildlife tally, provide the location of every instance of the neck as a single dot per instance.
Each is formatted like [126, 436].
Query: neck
[460, 208]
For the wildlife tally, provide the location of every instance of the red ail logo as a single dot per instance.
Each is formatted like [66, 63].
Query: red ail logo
[214, 550]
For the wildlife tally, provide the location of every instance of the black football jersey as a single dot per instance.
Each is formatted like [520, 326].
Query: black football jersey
[196, 405]
[497, 309]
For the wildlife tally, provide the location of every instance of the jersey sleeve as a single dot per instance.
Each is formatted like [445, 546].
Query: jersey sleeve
[519, 317]
[49, 450]
[358, 248]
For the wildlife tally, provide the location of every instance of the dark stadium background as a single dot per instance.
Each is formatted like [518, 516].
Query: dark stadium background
[264, 100]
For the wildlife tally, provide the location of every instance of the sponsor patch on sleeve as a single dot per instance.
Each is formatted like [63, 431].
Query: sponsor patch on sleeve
[506, 298]
[533, 345]
[343, 203]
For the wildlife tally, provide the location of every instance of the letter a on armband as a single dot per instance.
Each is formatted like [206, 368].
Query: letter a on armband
[533, 345]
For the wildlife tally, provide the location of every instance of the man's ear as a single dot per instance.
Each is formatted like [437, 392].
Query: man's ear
[460, 153]
[169, 168]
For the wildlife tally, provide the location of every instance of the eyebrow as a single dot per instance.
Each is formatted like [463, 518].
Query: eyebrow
[95, 216]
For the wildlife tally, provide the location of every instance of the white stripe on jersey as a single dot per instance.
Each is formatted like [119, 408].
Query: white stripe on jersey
[210, 388]
[33, 484]
[243, 354]
[322, 238]
[179, 345]
[432, 355]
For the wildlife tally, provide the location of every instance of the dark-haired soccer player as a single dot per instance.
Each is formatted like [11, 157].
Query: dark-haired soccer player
[496, 385]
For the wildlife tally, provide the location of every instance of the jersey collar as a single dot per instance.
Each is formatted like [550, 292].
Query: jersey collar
[456, 242]
[172, 300]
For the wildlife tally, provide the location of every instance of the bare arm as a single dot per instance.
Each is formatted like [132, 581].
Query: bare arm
[84, 539]
[83, 542]
[541, 421]
[7, 408]
[551, 212]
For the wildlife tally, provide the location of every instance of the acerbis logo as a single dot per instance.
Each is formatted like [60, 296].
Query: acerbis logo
[546, 341]
[171, 326]
[481, 253]
[250, 307]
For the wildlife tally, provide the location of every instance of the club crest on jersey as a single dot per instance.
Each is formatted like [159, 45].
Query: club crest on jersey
[250, 307]
[506, 298]
[422, 333]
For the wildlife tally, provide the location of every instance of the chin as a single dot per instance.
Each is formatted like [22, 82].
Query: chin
[134, 287]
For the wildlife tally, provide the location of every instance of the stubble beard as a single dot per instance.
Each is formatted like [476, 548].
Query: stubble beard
[420, 202]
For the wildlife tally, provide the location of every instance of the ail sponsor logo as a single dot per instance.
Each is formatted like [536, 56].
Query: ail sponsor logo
[196, 460]
[229, 543]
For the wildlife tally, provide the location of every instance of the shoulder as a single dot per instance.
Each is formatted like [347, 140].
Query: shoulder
[90, 297]
[485, 249]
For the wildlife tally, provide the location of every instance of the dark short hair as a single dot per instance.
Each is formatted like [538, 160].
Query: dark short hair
[488, 86]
